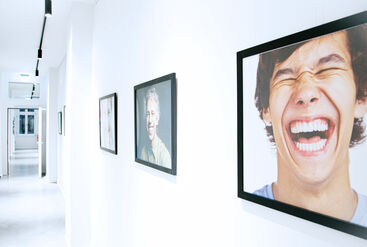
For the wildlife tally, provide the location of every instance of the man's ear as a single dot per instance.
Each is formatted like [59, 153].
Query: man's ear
[360, 108]
[266, 115]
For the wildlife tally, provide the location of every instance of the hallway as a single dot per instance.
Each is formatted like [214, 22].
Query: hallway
[32, 210]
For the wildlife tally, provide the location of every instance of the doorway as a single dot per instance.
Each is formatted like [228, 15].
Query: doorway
[22, 141]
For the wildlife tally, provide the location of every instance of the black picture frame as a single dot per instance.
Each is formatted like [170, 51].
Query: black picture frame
[108, 123]
[325, 29]
[64, 120]
[166, 127]
[60, 122]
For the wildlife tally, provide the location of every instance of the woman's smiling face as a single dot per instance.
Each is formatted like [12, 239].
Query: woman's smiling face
[312, 106]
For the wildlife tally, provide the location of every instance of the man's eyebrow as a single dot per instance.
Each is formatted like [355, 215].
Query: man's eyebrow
[331, 58]
[283, 72]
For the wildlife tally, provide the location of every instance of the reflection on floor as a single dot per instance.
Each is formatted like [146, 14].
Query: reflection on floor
[24, 163]
[31, 209]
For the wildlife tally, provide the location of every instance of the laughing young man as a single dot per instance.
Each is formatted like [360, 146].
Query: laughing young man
[312, 97]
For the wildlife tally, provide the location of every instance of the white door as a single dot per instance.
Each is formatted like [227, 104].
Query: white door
[41, 142]
[10, 139]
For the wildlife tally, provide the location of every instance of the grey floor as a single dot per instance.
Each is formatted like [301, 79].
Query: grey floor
[31, 209]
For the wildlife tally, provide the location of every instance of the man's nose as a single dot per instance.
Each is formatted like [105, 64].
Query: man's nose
[307, 91]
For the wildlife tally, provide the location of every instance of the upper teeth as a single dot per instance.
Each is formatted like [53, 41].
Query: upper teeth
[315, 125]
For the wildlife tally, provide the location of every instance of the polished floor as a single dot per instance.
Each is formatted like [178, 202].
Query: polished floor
[31, 209]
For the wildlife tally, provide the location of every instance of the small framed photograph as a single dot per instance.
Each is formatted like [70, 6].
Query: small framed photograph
[59, 122]
[301, 111]
[155, 123]
[108, 123]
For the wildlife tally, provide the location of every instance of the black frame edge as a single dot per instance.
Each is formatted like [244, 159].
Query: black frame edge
[172, 78]
[113, 95]
[324, 29]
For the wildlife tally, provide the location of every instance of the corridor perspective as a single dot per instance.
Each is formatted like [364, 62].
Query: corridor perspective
[32, 210]
[127, 123]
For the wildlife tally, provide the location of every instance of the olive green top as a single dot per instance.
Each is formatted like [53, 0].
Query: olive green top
[158, 155]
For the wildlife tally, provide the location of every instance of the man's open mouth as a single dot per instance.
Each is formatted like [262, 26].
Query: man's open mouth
[310, 136]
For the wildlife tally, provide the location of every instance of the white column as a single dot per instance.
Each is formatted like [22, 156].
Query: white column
[51, 151]
[78, 78]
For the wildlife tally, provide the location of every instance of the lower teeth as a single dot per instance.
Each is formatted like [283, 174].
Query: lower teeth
[311, 147]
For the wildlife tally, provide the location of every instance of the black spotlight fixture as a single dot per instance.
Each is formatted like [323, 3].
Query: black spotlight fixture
[48, 13]
[48, 8]
[37, 73]
[39, 54]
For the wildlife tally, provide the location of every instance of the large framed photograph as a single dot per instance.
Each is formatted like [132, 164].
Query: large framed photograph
[155, 123]
[301, 105]
[108, 123]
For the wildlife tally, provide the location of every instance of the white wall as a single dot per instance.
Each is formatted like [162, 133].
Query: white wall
[61, 144]
[122, 203]
[6, 102]
[52, 126]
[77, 139]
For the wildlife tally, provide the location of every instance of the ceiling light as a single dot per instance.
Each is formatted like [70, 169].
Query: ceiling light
[39, 53]
[48, 12]
[48, 8]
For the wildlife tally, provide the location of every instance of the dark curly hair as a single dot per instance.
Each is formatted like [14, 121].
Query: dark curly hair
[357, 44]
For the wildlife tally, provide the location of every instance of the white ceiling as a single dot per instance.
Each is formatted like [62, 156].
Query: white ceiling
[20, 31]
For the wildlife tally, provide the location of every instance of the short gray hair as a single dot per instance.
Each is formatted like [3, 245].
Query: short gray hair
[151, 94]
